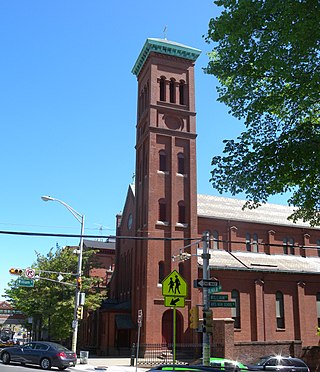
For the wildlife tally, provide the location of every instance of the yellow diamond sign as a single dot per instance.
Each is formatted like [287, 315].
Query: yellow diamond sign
[174, 285]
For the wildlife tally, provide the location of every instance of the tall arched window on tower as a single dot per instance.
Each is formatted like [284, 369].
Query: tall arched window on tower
[181, 212]
[235, 312]
[162, 161]
[162, 210]
[172, 91]
[181, 169]
[280, 310]
[182, 92]
[181, 269]
[161, 272]
[162, 87]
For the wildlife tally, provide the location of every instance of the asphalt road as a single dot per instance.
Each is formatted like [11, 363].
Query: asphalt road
[17, 367]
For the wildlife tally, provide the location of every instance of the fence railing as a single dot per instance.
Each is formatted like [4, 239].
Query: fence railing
[155, 354]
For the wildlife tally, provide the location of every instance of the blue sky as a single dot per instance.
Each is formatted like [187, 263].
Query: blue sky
[68, 112]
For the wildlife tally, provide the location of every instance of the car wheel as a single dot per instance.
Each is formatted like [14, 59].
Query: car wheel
[45, 363]
[6, 358]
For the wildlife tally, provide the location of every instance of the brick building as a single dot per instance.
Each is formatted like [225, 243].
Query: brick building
[269, 266]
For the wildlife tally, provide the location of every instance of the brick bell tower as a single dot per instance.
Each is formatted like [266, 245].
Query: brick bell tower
[165, 181]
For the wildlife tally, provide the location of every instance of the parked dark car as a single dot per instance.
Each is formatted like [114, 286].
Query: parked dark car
[45, 354]
[280, 363]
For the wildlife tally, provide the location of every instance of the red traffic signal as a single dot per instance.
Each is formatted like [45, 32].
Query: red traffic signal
[15, 271]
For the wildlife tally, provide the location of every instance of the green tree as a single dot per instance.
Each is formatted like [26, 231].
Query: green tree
[266, 57]
[50, 303]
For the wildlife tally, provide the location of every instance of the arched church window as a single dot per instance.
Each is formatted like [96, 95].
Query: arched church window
[235, 296]
[215, 239]
[280, 310]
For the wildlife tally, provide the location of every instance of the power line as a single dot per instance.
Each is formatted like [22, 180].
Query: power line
[26, 233]
[118, 237]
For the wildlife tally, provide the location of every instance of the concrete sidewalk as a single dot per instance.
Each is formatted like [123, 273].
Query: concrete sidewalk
[107, 364]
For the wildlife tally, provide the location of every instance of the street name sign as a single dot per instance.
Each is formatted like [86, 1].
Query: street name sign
[215, 289]
[222, 304]
[218, 297]
[208, 283]
[25, 282]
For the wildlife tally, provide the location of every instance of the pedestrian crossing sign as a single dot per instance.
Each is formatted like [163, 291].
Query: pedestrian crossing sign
[174, 285]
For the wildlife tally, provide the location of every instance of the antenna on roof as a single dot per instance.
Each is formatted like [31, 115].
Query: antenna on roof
[101, 228]
[165, 33]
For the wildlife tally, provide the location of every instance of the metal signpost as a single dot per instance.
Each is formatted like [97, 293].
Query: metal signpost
[174, 290]
[140, 316]
[205, 283]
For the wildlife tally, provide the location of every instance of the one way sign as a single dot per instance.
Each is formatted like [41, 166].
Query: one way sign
[200, 283]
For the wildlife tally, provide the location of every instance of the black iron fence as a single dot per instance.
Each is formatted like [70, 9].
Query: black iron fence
[155, 354]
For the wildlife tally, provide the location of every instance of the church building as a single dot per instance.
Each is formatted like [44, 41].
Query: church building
[266, 265]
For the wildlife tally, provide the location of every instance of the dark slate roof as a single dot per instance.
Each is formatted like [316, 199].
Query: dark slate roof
[96, 244]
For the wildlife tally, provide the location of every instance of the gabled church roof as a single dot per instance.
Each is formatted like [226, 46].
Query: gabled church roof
[210, 206]
[249, 261]
[231, 209]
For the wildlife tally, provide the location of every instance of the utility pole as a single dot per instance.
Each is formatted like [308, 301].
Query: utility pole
[206, 347]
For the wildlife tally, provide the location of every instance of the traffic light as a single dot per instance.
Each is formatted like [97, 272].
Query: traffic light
[207, 324]
[79, 312]
[79, 282]
[15, 271]
[194, 317]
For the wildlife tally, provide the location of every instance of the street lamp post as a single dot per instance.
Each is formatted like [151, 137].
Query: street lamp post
[80, 218]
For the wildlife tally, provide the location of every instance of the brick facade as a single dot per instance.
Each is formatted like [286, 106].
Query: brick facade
[277, 280]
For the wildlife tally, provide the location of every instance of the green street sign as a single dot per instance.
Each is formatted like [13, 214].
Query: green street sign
[25, 282]
[174, 301]
[174, 285]
[216, 289]
[218, 297]
[222, 304]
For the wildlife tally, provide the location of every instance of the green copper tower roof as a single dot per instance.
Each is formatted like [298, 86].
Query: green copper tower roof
[165, 47]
